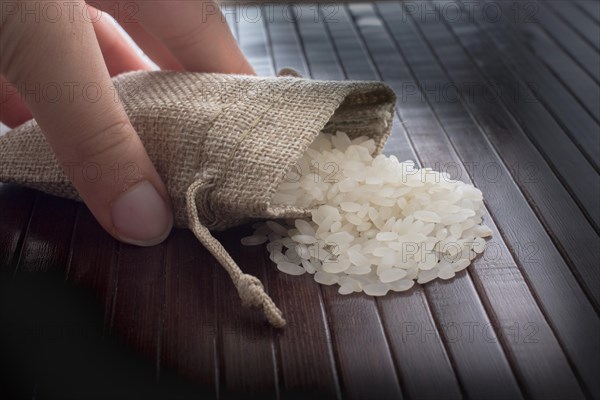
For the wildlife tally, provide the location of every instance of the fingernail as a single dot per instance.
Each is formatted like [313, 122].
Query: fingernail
[141, 216]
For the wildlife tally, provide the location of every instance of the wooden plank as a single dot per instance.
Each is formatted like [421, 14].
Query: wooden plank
[584, 54]
[369, 21]
[457, 304]
[138, 304]
[247, 363]
[406, 317]
[52, 332]
[364, 362]
[520, 227]
[318, 51]
[92, 267]
[47, 243]
[16, 204]
[38, 271]
[571, 114]
[283, 39]
[189, 335]
[350, 51]
[591, 8]
[536, 370]
[93, 259]
[529, 170]
[307, 366]
[253, 40]
[530, 36]
[67, 323]
[582, 265]
[574, 171]
[577, 20]
[59, 341]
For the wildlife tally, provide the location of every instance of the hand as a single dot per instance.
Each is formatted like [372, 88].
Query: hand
[55, 65]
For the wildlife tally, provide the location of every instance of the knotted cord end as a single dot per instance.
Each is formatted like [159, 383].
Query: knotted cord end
[249, 287]
[252, 293]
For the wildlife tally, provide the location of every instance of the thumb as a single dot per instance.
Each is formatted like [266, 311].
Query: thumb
[59, 71]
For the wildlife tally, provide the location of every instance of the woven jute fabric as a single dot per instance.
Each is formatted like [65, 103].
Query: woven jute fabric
[231, 138]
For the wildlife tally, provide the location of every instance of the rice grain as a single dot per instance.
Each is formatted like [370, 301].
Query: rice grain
[377, 225]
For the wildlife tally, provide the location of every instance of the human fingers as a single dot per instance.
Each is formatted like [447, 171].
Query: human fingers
[152, 47]
[13, 112]
[86, 125]
[196, 33]
[119, 55]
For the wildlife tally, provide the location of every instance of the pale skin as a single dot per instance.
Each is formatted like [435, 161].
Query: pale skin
[74, 47]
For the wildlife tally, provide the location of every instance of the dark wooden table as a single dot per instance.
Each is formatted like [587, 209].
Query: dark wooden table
[505, 96]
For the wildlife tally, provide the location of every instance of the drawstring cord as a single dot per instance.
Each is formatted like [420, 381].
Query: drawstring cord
[249, 288]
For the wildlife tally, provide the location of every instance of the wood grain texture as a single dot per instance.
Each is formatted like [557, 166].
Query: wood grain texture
[540, 279]
[572, 114]
[13, 223]
[188, 339]
[253, 40]
[93, 260]
[46, 245]
[563, 67]
[423, 330]
[582, 53]
[527, 167]
[458, 124]
[307, 367]
[558, 61]
[138, 305]
[560, 152]
[456, 305]
[578, 20]
[530, 43]
[247, 353]
[521, 322]
[591, 8]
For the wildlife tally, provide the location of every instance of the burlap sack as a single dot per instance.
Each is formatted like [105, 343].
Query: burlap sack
[221, 143]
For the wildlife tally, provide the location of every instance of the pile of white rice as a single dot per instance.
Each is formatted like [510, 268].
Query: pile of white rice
[377, 224]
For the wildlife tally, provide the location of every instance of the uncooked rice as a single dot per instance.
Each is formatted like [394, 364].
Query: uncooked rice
[377, 224]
